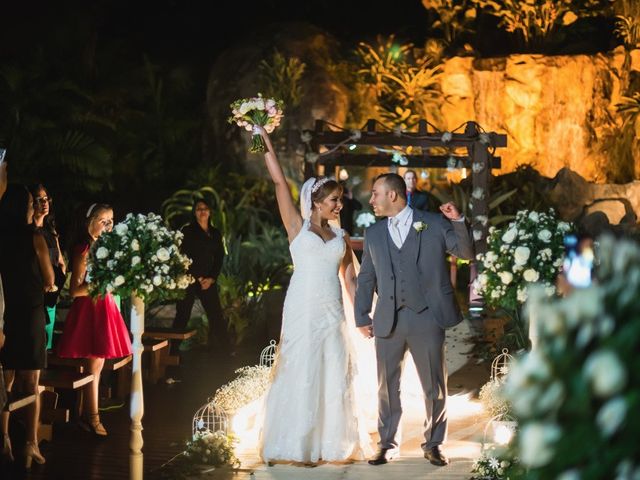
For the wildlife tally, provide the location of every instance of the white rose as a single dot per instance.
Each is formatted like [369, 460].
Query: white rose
[102, 253]
[109, 288]
[544, 235]
[611, 415]
[536, 443]
[510, 235]
[163, 254]
[533, 216]
[572, 474]
[506, 277]
[606, 373]
[563, 227]
[121, 229]
[157, 280]
[119, 280]
[135, 245]
[522, 295]
[135, 260]
[521, 255]
[530, 275]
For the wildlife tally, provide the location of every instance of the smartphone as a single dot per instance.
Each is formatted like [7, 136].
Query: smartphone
[578, 260]
[3, 152]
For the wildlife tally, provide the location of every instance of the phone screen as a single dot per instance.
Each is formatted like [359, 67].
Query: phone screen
[578, 260]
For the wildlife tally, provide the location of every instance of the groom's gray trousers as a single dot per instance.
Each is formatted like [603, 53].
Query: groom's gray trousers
[424, 338]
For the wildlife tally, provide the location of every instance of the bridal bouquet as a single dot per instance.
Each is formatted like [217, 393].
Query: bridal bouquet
[249, 112]
[140, 255]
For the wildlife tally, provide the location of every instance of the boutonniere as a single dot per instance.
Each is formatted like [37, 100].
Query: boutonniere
[420, 226]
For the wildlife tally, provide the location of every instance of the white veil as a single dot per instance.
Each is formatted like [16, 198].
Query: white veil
[305, 198]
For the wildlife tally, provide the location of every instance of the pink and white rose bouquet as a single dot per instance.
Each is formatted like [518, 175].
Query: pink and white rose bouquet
[249, 112]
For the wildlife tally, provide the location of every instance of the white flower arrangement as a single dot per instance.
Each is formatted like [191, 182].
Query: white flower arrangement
[212, 448]
[139, 255]
[581, 381]
[250, 384]
[528, 250]
[495, 463]
[249, 112]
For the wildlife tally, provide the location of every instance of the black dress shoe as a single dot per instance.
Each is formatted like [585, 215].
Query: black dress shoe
[381, 457]
[436, 457]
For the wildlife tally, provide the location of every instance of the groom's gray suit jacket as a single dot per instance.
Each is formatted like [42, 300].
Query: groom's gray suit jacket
[426, 253]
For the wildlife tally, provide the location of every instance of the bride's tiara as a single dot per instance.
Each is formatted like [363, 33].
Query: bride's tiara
[319, 183]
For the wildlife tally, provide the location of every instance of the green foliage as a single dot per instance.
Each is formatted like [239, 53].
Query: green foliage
[628, 23]
[622, 147]
[403, 80]
[282, 78]
[455, 19]
[537, 21]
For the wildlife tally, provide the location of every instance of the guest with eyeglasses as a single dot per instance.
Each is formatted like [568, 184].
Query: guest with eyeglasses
[44, 223]
[26, 275]
[94, 328]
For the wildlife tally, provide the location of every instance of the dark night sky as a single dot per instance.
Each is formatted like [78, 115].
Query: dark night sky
[198, 29]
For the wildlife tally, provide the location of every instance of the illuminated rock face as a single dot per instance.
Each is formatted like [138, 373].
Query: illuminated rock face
[558, 111]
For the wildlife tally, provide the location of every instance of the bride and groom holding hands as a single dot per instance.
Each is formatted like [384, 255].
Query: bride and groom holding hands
[312, 409]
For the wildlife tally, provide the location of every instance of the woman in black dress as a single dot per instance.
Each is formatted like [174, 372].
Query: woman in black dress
[26, 275]
[202, 243]
[44, 222]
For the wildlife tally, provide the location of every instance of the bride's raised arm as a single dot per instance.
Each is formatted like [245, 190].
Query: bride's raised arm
[289, 213]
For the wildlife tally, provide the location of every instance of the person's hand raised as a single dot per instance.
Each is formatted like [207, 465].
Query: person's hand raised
[450, 211]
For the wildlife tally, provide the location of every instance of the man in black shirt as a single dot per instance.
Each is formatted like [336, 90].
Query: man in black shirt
[203, 244]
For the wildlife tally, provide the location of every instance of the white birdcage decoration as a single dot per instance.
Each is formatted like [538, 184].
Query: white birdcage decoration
[268, 354]
[500, 366]
[210, 418]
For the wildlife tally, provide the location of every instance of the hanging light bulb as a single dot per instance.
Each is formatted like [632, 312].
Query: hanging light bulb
[343, 175]
[352, 147]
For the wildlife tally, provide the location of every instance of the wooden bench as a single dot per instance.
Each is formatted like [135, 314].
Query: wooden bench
[58, 379]
[165, 358]
[20, 400]
[123, 380]
[154, 348]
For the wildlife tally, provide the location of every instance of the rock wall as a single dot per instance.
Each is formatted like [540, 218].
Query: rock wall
[557, 111]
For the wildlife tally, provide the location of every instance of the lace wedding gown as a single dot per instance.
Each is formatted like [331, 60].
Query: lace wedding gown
[311, 410]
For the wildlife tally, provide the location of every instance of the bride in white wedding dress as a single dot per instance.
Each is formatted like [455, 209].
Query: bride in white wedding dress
[312, 411]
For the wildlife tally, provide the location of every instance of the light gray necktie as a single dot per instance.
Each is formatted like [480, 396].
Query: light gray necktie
[395, 231]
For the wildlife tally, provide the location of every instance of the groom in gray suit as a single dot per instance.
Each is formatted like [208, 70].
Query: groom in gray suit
[404, 262]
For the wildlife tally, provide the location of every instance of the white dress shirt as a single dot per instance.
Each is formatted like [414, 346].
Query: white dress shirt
[400, 232]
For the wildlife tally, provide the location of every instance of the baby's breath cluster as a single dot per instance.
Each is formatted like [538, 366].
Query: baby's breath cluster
[249, 385]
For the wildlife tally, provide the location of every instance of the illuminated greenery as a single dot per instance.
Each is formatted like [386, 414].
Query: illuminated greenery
[403, 81]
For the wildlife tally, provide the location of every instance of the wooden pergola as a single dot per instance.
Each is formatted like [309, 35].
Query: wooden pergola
[479, 146]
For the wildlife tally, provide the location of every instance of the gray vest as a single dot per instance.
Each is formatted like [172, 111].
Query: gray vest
[407, 289]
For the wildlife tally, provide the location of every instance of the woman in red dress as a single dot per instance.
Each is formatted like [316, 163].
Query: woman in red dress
[94, 328]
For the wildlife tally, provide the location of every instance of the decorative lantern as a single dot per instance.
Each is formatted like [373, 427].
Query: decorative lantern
[502, 427]
[210, 418]
[500, 366]
[268, 354]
